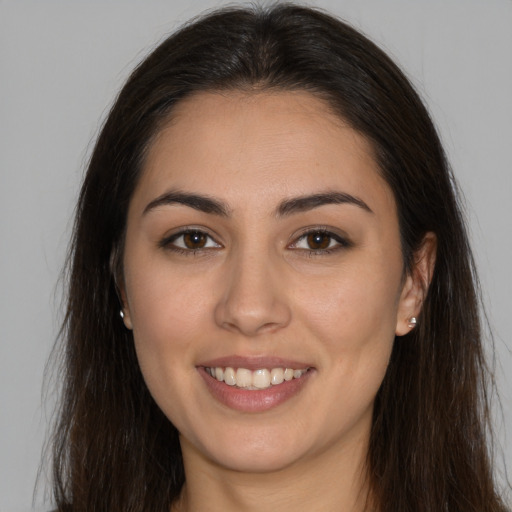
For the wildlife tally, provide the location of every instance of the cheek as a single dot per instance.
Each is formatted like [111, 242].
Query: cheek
[349, 306]
[353, 325]
[163, 302]
[169, 315]
[168, 320]
[353, 316]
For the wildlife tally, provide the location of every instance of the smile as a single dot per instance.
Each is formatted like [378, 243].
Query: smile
[254, 380]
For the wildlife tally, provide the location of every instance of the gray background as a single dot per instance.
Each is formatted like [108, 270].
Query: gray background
[61, 63]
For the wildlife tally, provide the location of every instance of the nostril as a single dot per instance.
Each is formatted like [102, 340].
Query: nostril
[253, 300]
[254, 319]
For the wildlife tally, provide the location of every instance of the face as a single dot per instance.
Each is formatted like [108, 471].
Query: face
[263, 279]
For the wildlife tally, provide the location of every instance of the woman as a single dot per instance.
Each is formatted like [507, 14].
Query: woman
[271, 296]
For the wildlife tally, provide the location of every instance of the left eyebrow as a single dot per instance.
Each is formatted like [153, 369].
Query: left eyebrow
[304, 203]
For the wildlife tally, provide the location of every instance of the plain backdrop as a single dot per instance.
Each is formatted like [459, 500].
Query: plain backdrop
[61, 64]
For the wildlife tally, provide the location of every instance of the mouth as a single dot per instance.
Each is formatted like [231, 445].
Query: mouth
[255, 384]
[253, 380]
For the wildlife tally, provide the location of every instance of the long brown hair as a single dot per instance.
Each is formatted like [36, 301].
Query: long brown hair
[114, 449]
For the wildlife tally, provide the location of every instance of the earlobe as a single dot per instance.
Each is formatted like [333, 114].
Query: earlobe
[416, 285]
[124, 313]
[116, 270]
[126, 318]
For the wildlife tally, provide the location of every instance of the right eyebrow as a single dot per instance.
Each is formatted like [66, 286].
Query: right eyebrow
[198, 202]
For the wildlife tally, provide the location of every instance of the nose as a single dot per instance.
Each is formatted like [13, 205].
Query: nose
[253, 301]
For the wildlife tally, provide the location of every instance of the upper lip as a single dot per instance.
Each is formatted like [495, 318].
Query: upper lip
[254, 362]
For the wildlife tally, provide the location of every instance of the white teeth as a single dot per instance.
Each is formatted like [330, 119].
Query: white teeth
[229, 376]
[243, 378]
[258, 379]
[261, 379]
[276, 376]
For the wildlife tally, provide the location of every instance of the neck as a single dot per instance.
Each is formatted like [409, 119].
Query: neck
[332, 481]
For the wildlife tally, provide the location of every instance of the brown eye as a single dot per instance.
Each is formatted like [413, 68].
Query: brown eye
[194, 240]
[318, 241]
[190, 241]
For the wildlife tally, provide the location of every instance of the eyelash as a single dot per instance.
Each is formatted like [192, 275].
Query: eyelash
[170, 242]
[340, 242]
[335, 242]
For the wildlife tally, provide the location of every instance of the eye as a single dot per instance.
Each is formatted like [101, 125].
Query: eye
[320, 241]
[190, 240]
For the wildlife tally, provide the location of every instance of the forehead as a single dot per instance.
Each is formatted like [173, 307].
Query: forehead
[245, 147]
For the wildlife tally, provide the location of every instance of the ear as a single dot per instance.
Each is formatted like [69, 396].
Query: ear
[416, 284]
[125, 309]
[117, 274]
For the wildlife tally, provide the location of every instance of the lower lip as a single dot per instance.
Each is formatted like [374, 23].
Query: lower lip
[259, 400]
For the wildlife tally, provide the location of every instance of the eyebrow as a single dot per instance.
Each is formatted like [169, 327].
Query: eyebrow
[287, 207]
[304, 203]
[197, 202]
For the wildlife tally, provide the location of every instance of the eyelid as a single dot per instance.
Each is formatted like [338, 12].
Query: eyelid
[167, 241]
[342, 240]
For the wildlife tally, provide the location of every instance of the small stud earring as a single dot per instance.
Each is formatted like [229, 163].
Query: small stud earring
[412, 322]
[121, 314]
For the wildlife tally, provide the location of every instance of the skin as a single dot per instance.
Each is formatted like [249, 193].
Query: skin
[257, 289]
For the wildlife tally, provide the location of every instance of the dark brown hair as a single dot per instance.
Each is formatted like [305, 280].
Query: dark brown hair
[114, 449]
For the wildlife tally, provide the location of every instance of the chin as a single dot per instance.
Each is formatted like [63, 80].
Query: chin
[263, 452]
[257, 461]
